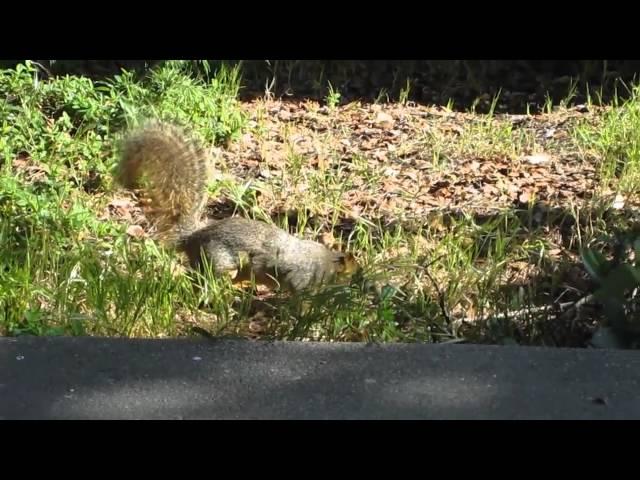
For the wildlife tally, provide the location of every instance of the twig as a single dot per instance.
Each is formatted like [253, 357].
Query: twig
[565, 308]
[441, 298]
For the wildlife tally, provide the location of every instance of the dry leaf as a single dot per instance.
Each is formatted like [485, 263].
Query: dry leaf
[537, 158]
[618, 202]
[380, 156]
[284, 115]
[525, 197]
[327, 239]
[489, 189]
[135, 231]
[121, 207]
[452, 127]
[384, 120]
[554, 252]
[256, 327]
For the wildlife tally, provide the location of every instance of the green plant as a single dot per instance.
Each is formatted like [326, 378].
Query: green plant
[618, 280]
[333, 97]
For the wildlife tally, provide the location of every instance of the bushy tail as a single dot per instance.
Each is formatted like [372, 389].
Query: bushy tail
[173, 170]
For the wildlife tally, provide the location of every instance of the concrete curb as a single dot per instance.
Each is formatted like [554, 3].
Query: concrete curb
[95, 378]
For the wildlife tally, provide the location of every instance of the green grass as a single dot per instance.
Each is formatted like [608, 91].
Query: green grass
[68, 268]
[616, 144]
[65, 269]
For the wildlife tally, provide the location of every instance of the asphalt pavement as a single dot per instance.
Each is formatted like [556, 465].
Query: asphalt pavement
[95, 378]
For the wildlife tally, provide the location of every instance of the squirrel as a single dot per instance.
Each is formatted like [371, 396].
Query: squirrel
[174, 169]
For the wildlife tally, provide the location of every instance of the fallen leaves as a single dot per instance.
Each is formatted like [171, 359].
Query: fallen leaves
[31, 170]
[392, 161]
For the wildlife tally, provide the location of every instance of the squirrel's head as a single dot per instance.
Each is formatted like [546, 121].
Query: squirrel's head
[345, 264]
